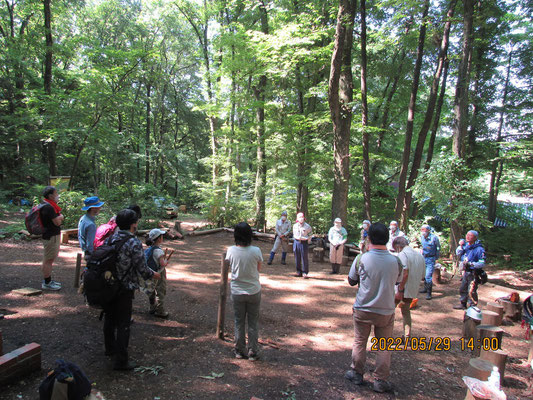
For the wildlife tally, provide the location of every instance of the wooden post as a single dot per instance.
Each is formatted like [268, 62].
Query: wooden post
[487, 332]
[530, 356]
[496, 307]
[498, 358]
[224, 269]
[78, 271]
[479, 369]
[345, 261]
[491, 318]
[511, 310]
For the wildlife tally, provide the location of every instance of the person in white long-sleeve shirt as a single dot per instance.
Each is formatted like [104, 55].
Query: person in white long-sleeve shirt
[283, 228]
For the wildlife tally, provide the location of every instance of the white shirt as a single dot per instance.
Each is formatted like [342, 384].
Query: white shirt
[414, 262]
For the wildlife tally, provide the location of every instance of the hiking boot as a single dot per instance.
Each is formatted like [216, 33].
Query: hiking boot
[253, 356]
[429, 290]
[239, 355]
[381, 386]
[461, 306]
[128, 366]
[354, 377]
[425, 289]
[50, 286]
[298, 275]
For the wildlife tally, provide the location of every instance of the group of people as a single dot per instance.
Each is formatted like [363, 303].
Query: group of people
[388, 272]
[136, 268]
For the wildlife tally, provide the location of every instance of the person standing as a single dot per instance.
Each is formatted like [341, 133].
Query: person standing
[283, 228]
[472, 256]
[245, 262]
[377, 271]
[394, 232]
[157, 259]
[363, 244]
[52, 219]
[301, 233]
[430, 251]
[337, 236]
[414, 270]
[87, 226]
[130, 264]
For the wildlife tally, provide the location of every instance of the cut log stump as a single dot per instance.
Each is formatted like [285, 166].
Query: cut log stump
[318, 254]
[479, 369]
[469, 327]
[511, 310]
[491, 318]
[437, 279]
[498, 358]
[488, 336]
[496, 307]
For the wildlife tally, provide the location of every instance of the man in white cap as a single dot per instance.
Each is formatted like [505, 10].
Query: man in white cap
[431, 251]
[394, 232]
[365, 241]
[337, 236]
[283, 228]
[87, 226]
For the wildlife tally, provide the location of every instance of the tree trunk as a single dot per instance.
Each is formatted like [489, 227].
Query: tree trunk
[422, 135]
[147, 134]
[411, 114]
[47, 78]
[340, 97]
[260, 178]
[497, 164]
[460, 122]
[364, 118]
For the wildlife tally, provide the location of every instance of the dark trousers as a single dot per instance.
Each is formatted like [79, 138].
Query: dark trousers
[467, 280]
[118, 318]
[301, 251]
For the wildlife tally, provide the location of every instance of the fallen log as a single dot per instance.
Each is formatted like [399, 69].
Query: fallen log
[206, 232]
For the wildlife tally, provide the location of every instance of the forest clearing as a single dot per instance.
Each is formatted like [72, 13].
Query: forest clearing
[306, 333]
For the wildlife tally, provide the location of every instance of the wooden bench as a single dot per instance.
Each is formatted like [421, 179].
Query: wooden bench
[65, 234]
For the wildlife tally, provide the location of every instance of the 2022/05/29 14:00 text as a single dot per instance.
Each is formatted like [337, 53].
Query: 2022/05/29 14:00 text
[411, 343]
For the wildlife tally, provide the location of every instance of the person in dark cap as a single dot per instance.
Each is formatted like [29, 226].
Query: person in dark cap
[472, 256]
[87, 225]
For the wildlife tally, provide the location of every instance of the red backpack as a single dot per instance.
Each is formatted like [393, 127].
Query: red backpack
[34, 223]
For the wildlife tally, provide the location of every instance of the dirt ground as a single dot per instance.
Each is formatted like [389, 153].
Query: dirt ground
[305, 328]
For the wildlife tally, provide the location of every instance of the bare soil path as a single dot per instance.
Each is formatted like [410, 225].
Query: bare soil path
[305, 327]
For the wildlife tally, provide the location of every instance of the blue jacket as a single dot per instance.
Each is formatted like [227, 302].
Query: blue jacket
[475, 254]
[86, 233]
[430, 246]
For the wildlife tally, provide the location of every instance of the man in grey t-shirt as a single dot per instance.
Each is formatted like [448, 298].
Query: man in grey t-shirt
[376, 271]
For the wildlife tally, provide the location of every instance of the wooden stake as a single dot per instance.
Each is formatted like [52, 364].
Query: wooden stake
[498, 358]
[436, 276]
[78, 271]
[224, 269]
[530, 356]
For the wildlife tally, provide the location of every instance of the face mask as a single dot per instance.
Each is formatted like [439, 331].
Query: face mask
[365, 226]
[425, 234]
[337, 225]
[301, 220]
[284, 218]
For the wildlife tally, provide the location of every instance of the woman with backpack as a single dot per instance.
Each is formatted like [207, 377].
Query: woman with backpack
[157, 260]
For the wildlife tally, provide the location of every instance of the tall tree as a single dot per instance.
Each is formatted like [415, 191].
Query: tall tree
[364, 120]
[411, 114]
[340, 96]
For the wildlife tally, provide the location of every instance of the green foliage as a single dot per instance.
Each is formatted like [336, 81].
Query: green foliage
[518, 242]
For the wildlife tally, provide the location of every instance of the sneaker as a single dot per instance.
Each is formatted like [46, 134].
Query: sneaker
[50, 286]
[56, 283]
[305, 276]
[298, 275]
[253, 356]
[239, 355]
[354, 377]
[381, 386]
[283, 262]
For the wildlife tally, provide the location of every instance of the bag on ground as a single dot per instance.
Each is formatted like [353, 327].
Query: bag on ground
[100, 283]
[67, 373]
[33, 221]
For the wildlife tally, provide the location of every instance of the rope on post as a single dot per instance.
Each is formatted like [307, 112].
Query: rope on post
[224, 269]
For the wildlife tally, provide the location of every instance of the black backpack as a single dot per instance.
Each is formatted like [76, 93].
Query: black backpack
[79, 386]
[100, 283]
